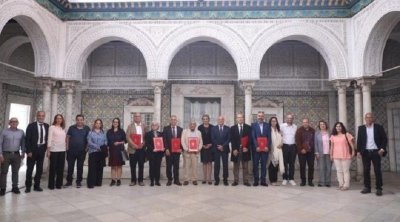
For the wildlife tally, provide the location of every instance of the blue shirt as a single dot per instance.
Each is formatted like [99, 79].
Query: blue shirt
[96, 140]
[77, 138]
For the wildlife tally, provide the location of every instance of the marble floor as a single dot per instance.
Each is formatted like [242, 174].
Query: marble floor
[203, 203]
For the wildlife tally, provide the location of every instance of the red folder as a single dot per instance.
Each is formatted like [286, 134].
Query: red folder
[176, 145]
[244, 141]
[158, 144]
[262, 143]
[136, 139]
[193, 144]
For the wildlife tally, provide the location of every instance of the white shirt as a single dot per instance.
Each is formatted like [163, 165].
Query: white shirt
[56, 140]
[139, 131]
[44, 134]
[371, 145]
[288, 133]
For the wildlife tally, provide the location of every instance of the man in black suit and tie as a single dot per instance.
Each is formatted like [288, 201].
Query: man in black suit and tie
[240, 151]
[260, 129]
[154, 157]
[172, 158]
[220, 137]
[36, 144]
[371, 145]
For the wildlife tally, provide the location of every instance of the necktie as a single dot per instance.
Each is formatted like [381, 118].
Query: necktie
[220, 129]
[173, 132]
[41, 134]
[241, 130]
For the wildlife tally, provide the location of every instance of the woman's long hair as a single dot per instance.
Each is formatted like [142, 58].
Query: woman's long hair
[277, 123]
[55, 120]
[335, 132]
[101, 124]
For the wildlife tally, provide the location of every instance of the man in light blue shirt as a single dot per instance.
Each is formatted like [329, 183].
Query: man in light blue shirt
[12, 141]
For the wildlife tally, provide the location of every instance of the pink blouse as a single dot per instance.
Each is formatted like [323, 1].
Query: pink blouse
[340, 147]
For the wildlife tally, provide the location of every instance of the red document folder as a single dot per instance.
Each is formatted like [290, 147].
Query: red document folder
[193, 144]
[136, 139]
[262, 143]
[158, 144]
[176, 145]
[244, 141]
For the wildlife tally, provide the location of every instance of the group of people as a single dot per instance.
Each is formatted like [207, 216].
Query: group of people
[268, 145]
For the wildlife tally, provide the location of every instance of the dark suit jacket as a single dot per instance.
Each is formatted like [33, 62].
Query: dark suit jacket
[379, 137]
[256, 132]
[149, 143]
[167, 136]
[236, 142]
[220, 139]
[32, 137]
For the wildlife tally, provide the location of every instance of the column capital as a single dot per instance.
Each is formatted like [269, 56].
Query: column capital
[248, 86]
[69, 86]
[157, 86]
[366, 82]
[341, 84]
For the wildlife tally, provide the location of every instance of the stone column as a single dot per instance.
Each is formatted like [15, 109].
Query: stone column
[341, 87]
[157, 86]
[358, 120]
[248, 103]
[366, 92]
[332, 108]
[46, 106]
[54, 102]
[69, 90]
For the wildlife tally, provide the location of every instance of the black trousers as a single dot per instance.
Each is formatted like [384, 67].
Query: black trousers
[289, 158]
[367, 158]
[308, 159]
[218, 155]
[155, 166]
[95, 172]
[79, 158]
[173, 164]
[273, 172]
[137, 158]
[36, 159]
[56, 169]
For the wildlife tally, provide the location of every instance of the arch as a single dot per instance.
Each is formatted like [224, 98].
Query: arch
[30, 17]
[317, 37]
[96, 36]
[220, 35]
[9, 46]
[372, 37]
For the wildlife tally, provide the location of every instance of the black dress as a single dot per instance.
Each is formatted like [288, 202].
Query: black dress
[115, 158]
[206, 155]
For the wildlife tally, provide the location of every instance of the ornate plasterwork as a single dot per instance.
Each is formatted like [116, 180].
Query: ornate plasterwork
[8, 47]
[95, 36]
[140, 102]
[328, 45]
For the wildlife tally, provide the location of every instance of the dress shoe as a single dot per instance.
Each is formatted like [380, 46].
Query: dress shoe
[2, 192]
[50, 188]
[59, 188]
[67, 184]
[186, 183]
[169, 183]
[203, 182]
[178, 183]
[264, 184]
[27, 190]
[90, 187]
[319, 185]
[235, 183]
[112, 183]
[378, 192]
[132, 184]
[195, 183]
[328, 185]
[78, 185]
[255, 184]
[247, 184]
[158, 184]
[311, 184]
[209, 183]
[141, 184]
[366, 190]
[226, 183]
[216, 183]
[38, 189]
[152, 184]
[302, 184]
[118, 182]
[15, 190]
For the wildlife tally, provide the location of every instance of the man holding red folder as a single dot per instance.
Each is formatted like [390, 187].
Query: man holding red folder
[155, 152]
[261, 138]
[240, 141]
[172, 142]
[192, 142]
[135, 136]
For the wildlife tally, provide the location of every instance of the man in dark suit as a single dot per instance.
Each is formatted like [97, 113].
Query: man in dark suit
[371, 145]
[36, 144]
[154, 157]
[172, 158]
[220, 137]
[260, 129]
[240, 151]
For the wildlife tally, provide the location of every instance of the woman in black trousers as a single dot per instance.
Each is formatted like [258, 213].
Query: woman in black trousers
[155, 157]
[97, 144]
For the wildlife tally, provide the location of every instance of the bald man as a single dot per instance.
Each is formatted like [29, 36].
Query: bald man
[220, 137]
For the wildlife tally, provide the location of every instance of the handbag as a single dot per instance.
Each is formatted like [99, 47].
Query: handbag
[350, 146]
[124, 155]
[104, 150]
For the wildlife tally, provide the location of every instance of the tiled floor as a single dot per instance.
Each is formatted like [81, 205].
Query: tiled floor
[204, 203]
